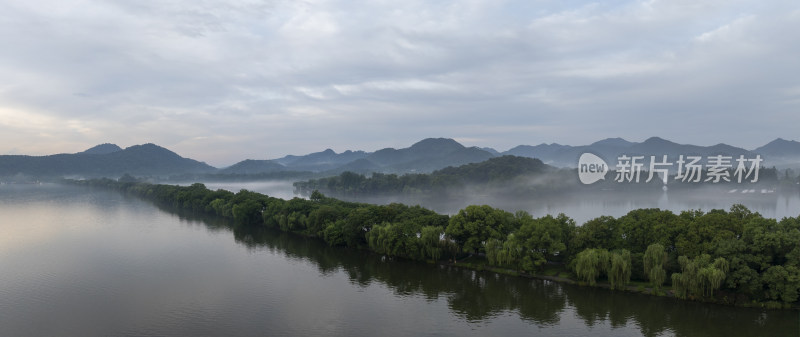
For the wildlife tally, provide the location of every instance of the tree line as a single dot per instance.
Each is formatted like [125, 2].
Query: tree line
[510, 173]
[734, 256]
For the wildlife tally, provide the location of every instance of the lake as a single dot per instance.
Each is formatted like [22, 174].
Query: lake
[581, 206]
[78, 261]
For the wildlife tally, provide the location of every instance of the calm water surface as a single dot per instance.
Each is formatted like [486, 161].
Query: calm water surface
[579, 206]
[85, 262]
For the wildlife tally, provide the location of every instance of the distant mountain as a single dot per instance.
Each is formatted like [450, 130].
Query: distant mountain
[103, 149]
[614, 143]
[434, 146]
[780, 148]
[491, 150]
[251, 166]
[100, 161]
[611, 148]
[362, 165]
[151, 159]
[425, 149]
[432, 154]
[427, 155]
[455, 158]
[424, 156]
[659, 146]
[325, 160]
[553, 154]
[781, 153]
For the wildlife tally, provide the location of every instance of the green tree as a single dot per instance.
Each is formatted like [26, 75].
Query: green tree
[590, 263]
[247, 212]
[474, 225]
[333, 233]
[642, 227]
[619, 271]
[782, 283]
[493, 250]
[654, 259]
[430, 239]
[538, 240]
[600, 232]
[699, 277]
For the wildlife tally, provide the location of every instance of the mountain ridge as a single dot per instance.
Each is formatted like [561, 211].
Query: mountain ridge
[424, 156]
[100, 161]
[104, 148]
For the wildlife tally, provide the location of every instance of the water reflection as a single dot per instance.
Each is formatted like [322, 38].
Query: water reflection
[483, 296]
[594, 203]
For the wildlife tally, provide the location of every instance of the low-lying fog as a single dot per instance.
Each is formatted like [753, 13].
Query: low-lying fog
[275, 188]
[580, 205]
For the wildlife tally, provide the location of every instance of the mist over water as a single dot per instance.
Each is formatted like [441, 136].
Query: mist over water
[275, 188]
[579, 205]
[591, 204]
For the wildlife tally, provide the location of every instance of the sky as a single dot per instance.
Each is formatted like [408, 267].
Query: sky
[223, 81]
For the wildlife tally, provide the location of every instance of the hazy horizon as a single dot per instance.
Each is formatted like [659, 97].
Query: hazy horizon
[368, 151]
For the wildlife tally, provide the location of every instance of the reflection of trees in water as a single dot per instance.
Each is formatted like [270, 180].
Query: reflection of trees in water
[478, 296]
[472, 295]
[658, 315]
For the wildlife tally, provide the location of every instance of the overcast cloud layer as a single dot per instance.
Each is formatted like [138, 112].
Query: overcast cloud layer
[221, 81]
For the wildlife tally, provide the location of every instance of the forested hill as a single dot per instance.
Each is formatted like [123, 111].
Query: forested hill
[105, 160]
[499, 172]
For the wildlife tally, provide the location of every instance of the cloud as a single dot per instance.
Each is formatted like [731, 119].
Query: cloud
[221, 81]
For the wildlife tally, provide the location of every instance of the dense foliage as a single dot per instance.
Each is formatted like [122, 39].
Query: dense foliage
[734, 256]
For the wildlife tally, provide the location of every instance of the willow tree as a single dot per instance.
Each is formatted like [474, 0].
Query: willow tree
[431, 240]
[376, 238]
[619, 271]
[493, 247]
[385, 238]
[699, 276]
[590, 263]
[511, 252]
[504, 253]
[654, 259]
